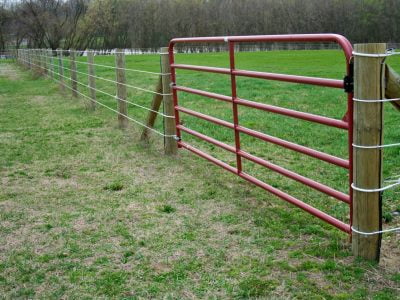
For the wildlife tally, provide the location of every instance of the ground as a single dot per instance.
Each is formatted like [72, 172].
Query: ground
[87, 211]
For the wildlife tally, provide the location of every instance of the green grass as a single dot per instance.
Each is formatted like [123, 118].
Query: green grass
[88, 211]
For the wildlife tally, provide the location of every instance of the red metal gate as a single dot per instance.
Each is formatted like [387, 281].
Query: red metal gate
[346, 123]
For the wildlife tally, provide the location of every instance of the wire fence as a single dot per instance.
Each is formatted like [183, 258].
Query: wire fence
[222, 47]
[7, 55]
[61, 66]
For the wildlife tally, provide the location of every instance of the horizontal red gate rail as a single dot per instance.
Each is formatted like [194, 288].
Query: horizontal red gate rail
[346, 124]
[270, 108]
[265, 137]
[316, 185]
[312, 210]
[262, 75]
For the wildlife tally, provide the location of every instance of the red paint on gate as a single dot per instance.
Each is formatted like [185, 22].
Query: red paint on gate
[346, 124]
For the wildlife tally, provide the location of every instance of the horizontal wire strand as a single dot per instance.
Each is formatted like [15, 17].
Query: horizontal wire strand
[375, 146]
[375, 190]
[397, 230]
[112, 67]
[116, 97]
[392, 178]
[116, 82]
[105, 93]
[376, 55]
[106, 106]
[116, 68]
[376, 100]
[106, 52]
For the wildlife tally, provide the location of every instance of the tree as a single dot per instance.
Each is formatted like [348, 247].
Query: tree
[50, 23]
[152, 23]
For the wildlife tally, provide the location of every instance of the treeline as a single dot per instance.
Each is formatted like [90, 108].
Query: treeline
[152, 23]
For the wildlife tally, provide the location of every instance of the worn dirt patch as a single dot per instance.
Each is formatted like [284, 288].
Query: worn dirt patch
[81, 225]
[39, 99]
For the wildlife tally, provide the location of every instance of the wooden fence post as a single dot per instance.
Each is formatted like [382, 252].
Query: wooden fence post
[121, 89]
[61, 69]
[44, 59]
[40, 57]
[155, 106]
[91, 79]
[368, 127]
[34, 61]
[170, 145]
[38, 62]
[47, 53]
[74, 80]
[28, 58]
[51, 67]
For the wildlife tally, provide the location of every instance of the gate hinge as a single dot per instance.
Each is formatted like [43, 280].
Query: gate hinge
[348, 84]
[348, 80]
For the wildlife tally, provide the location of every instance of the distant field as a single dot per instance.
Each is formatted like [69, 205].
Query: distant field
[87, 211]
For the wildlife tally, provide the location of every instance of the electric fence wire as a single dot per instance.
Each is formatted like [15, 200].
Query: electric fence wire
[106, 106]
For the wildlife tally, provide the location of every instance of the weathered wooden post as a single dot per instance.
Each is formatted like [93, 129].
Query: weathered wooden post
[39, 53]
[47, 54]
[29, 58]
[91, 79]
[51, 67]
[33, 60]
[368, 127]
[171, 146]
[44, 60]
[61, 69]
[155, 106]
[74, 80]
[121, 89]
[38, 62]
[52, 63]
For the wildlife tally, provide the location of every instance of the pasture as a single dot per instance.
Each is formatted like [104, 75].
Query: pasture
[86, 210]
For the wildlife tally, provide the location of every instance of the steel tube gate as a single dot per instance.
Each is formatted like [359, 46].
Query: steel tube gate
[345, 124]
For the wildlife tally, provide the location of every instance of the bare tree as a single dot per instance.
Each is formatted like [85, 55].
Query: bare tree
[152, 23]
[5, 19]
[50, 23]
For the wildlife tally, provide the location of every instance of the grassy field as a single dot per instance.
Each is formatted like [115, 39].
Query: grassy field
[88, 211]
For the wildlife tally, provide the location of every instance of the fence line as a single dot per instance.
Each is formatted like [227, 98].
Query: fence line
[116, 68]
[361, 223]
[113, 81]
[105, 93]
[7, 55]
[33, 58]
[108, 94]
[210, 49]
